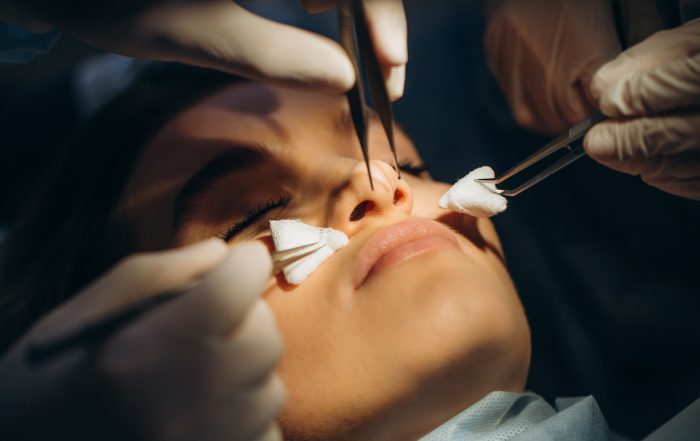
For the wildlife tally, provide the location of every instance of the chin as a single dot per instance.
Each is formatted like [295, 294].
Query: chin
[444, 328]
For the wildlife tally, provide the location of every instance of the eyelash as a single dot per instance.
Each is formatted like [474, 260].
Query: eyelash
[253, 216]
[412, 168]
[256, 213]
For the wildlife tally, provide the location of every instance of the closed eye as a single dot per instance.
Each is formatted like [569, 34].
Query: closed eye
[253, 216]
[412, 168]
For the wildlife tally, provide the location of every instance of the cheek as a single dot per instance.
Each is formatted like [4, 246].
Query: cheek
[425, 197]
[314, 319]
[432, 296]
[316, 327]
[479, 233]
[351, 354]
[451, 303]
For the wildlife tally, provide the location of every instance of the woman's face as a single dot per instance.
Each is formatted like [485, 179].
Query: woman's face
[412, 321]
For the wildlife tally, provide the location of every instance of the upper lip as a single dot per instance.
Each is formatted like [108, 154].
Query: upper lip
[391, 237]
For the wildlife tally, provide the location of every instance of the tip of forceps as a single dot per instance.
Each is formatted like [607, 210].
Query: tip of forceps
[571, 140]
[281, 259]
[355, 38]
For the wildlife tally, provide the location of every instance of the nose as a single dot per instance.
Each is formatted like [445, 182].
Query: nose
[357, 202]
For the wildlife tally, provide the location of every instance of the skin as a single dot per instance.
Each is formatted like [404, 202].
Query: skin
[390, 359]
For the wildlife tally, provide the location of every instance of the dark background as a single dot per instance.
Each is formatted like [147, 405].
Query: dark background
[606, 266]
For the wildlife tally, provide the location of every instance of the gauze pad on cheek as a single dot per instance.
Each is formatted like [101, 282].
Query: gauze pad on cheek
[474, 198]
[291, 233]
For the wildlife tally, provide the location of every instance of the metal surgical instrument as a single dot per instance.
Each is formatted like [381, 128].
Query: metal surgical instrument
[571, 140]
[94, 333]
[355, 38]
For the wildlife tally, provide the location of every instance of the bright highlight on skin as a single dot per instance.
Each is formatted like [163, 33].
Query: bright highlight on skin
[291, 233]
[474, 198]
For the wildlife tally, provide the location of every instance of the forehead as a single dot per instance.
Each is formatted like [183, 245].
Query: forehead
[291, 125]
[277, 119]
[252, 113]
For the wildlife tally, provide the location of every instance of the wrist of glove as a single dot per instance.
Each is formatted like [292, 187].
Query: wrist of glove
[652, 92]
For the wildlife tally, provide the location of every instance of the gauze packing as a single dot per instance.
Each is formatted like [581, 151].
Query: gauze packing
[291, 233]
[474, 198]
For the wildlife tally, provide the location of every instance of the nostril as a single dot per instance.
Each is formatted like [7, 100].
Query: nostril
[360, 210]
[398, 196]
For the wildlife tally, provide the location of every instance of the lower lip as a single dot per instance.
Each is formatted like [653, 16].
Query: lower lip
[409, 251]
[398, 243]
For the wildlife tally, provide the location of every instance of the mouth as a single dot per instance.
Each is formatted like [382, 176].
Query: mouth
[399, 243]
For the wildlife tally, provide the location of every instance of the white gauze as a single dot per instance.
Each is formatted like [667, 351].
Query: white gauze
[474, 198]
[292, 233]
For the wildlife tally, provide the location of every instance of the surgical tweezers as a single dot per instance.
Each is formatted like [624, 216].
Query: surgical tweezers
[355, 38]
[96, 332]
[571, 140]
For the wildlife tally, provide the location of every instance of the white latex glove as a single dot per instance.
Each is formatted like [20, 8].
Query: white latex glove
[387, 26]
[220, 34]
[200, 367]
[653, 92]
[543, 53]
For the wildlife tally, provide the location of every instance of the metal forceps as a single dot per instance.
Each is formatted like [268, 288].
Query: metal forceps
[96, 332]
[355, 38]
[571, 140]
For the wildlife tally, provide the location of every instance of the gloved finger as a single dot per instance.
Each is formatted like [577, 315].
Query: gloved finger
[619, 141]
[269, 398]
[659, 74]
[386, 20]
[137, 277]
[682, 166]
[272, 433]
[223, 298]
[153, 273]
[670, 86]
[395, 79]
[687, 188]
[225, 36]
[257, 341]
[235, 413]
[260, 405]
[659, 168]
[387, 23]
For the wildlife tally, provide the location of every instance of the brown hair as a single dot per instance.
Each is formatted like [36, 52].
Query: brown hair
[64, 239]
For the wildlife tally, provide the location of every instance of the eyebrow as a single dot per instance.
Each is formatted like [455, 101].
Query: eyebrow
[236, 159]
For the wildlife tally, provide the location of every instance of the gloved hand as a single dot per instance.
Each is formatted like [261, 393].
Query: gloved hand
[220, 34]
[197, 368]
[653, 92]
[387, 26]
[543, 53]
